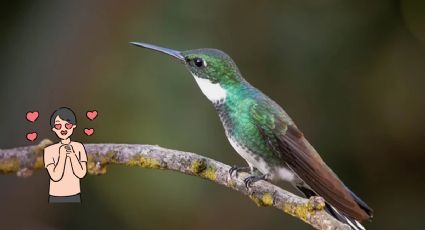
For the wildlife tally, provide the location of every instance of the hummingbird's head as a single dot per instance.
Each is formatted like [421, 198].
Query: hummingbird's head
[211, 64]
[213, 70]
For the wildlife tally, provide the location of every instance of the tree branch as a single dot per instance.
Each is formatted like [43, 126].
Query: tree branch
[23, 160]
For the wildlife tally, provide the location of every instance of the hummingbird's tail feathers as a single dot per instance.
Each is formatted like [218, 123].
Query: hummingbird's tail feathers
[362, 204]
[353, 223]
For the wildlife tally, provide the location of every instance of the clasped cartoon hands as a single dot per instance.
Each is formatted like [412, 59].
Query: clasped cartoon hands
[66, 151]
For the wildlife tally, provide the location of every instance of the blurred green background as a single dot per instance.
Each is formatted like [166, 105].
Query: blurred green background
[350, 73]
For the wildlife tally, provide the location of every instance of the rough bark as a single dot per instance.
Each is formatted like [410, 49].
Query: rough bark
[23, 160]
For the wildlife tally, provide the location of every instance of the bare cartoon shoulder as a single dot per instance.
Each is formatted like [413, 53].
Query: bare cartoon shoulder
[76, 144]
[51, 148]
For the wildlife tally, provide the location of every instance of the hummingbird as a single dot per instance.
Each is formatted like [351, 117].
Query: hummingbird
[265, 136]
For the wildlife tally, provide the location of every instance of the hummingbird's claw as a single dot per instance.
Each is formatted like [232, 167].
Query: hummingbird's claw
[237, 169]
[252, 179]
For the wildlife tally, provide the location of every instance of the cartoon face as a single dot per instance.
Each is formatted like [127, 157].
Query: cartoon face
[62, 128]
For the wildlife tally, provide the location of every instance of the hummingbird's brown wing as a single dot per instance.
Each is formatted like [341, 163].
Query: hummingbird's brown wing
[289, 144]
[303, 159]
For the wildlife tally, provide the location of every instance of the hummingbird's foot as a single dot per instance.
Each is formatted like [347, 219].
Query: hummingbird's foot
[237, 169]
[252, 179]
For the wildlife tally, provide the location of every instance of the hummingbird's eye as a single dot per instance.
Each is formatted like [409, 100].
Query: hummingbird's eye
[198, 62]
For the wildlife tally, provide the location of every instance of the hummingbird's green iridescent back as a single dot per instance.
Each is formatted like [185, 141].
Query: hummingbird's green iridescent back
[244, 107]
[243, 111]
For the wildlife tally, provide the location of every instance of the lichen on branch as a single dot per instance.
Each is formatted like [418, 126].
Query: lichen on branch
[23, 160]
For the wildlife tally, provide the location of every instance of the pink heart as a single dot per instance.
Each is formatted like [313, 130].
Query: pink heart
[32, 116]
[88, 132]
[32, 136]
[91, 114]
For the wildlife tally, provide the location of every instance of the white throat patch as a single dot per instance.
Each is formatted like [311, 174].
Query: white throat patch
[214, 92]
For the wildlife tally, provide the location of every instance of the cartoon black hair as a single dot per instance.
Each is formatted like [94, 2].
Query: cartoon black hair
[64, 113]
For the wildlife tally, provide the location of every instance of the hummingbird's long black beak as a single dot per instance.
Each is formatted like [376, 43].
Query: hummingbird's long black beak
[172, 53]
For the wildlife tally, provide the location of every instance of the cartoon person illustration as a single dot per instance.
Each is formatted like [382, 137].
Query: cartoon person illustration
[65, 161]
